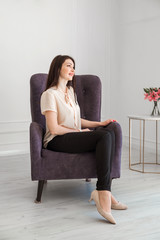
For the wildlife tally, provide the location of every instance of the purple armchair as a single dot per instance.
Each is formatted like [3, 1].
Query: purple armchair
[49, 165]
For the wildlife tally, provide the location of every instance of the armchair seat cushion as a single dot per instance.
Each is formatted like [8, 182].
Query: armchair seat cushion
[59, 165]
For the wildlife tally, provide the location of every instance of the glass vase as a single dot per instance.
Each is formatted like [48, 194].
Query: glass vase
[155, 111]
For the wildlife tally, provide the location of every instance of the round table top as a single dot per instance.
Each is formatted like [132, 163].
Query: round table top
[144, 117]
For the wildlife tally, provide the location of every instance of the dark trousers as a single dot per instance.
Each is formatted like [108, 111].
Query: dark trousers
[101, 140]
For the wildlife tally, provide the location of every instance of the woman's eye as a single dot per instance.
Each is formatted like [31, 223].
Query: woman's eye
[70, 66]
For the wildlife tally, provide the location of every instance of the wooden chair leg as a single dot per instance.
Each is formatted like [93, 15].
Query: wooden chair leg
[39, 191]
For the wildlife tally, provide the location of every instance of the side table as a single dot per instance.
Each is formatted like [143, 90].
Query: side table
[142, 161]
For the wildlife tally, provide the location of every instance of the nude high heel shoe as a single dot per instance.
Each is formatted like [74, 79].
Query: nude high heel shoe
[106, 215]
[119, 206]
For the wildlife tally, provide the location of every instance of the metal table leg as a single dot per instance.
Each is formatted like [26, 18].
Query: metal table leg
[143, 143]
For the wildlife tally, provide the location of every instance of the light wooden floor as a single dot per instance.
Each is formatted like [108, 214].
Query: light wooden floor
[65, 212]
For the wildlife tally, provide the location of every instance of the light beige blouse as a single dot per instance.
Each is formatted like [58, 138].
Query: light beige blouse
[68, 114]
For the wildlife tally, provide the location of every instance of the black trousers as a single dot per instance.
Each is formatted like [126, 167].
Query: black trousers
[101, 140]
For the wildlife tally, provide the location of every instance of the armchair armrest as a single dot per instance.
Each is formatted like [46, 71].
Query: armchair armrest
[36, 144]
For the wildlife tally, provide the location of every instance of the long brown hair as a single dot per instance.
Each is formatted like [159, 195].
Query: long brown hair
[54, 72]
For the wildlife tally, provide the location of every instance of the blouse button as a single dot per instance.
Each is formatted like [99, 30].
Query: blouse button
[84, 91]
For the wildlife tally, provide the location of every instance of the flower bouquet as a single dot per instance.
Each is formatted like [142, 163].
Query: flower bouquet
[153, 94]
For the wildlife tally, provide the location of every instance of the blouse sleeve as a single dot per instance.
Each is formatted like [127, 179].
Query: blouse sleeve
[48, 102]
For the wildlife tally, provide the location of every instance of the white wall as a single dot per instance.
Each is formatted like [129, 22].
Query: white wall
[32, 33]
[118, 40]
[135, 59]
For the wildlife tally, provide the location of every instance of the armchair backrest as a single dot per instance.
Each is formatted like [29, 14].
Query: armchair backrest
[88, 90]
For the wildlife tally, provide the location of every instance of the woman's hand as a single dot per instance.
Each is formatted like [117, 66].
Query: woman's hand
[106, 122]
[85, 130]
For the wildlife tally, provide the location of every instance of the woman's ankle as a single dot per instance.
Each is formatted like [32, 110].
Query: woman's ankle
[113, 200]
[105, 200]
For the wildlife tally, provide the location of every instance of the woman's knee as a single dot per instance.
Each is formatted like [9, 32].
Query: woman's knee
[116, 127]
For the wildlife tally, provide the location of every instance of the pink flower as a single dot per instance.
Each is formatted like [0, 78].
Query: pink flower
[153, 96]
[158, 92]
[146, 96]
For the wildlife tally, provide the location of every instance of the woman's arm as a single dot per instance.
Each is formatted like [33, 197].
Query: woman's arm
[54, 128]
[91, 124]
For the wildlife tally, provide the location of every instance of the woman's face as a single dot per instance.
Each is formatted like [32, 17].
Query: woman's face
[67, 70]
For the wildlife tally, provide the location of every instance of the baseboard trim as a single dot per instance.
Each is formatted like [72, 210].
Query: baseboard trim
[135, 144]
[150, 145]
[13, 153]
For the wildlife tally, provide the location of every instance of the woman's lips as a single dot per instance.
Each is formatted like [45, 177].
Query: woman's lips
[71, 74]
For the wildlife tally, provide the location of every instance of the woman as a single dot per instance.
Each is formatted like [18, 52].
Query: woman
[67, 132]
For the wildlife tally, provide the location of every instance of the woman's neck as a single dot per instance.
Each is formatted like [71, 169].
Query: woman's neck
[62, 84]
